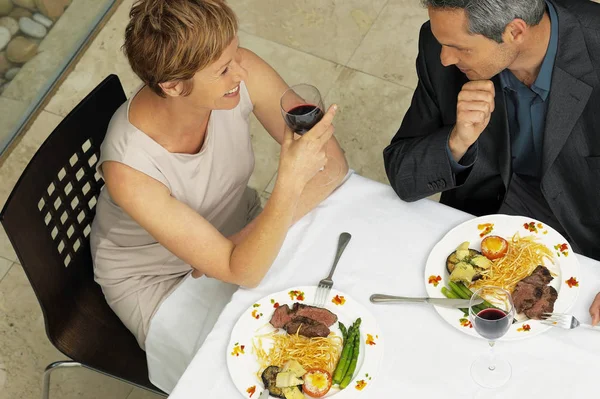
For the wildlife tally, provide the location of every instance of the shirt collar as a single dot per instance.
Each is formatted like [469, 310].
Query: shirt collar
[542, 83]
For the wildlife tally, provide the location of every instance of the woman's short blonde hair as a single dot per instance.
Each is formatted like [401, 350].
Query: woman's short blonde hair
[171, 40]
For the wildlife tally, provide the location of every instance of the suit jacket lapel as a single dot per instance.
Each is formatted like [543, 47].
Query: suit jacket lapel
[568, 98]
[571, 87]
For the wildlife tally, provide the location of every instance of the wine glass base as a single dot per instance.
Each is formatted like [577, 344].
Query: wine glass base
[487, 378]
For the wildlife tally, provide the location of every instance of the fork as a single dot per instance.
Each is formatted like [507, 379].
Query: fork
[565, 321]
[325, 285]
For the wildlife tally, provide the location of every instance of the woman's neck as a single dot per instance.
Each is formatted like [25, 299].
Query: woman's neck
[172, 122]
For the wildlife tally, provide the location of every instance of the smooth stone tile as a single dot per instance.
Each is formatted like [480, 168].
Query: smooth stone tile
[370, 113]
[26, 351]
[390, 48]
[54, 50]
[327, 28]
[294, 67]
[102, 58]
[5, 265]
[14, 164]
[12, 111]
[138, 393]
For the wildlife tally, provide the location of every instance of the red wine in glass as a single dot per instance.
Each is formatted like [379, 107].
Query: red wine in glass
[492, 323]
[303, 117]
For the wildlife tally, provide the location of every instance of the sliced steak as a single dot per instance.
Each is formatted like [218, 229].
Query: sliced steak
[281, 316]
[318, 314]
[540, 276]
[308, 327]
[544, 305]
[525, 296]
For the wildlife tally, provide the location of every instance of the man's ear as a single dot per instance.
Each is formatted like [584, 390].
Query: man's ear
[515, 31]
[172, 89]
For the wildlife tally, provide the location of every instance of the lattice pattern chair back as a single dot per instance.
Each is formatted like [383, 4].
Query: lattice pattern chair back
[48, 220]
[69, 202]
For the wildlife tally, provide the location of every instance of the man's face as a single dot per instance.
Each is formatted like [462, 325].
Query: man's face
[476, 56]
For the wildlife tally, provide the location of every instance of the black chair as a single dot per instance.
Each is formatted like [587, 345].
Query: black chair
[48, 220]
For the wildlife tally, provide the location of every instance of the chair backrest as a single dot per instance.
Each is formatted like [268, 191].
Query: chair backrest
[48, 220]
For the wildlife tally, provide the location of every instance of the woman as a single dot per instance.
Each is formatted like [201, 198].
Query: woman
[176, 160]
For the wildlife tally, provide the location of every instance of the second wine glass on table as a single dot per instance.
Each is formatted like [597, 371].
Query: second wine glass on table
[302, 108]
[492, 371]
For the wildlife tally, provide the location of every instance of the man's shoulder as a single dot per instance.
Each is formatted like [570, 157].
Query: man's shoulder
[426, 37]
[586, 12]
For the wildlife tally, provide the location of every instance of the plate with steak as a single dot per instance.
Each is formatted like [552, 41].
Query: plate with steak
[284, 328]
[529, 259]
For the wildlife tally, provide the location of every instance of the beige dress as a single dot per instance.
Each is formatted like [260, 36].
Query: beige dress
[137, 273]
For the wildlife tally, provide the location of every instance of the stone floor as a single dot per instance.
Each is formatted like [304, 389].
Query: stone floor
[360, 53]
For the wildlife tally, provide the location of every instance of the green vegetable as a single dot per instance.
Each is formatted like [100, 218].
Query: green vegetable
[343, 330]
[465, 290]
[353, 362]
[484, 305]
[449, 294]
[456, 290]
[346, 357]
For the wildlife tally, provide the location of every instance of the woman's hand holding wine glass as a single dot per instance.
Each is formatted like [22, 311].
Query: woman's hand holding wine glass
[302, 159]
[302, 109]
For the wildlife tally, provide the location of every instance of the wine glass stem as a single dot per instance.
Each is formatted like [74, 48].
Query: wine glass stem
[492, 363]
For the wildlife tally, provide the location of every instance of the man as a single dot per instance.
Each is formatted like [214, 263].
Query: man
[595, 310]
[509, 120]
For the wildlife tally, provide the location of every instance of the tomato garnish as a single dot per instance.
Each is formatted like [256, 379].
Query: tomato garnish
[317, 382]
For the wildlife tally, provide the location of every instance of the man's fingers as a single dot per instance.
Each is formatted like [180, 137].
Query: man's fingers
[321, 127]
[472, 117]
[483, 85]
[475, 106]
[595, 310]
[477, 96]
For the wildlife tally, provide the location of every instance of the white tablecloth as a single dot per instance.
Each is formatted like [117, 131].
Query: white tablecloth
[424, 356]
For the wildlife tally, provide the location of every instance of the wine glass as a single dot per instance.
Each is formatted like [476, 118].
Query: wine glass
[302, 108]
[491, 371]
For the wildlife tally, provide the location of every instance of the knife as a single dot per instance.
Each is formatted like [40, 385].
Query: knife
[443, 302]
[264, 394]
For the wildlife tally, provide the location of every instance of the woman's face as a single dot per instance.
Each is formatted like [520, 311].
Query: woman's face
[218, 85]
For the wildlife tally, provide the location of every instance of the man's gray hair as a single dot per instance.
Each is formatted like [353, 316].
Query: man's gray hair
[490, 17]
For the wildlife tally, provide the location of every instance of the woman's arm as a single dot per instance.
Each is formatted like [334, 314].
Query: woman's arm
[193, 239]
[266, 87]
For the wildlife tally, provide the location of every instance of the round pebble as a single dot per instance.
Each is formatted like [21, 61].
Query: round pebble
[47, 22]
[11, 73]
[19, 12]
[4, 37]
[51, 8]
[28, 4]
[5, 64]
[20, 50]
[6, 7]
[11, 24]
[32, 28]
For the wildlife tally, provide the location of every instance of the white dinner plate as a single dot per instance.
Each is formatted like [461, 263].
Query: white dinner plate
[243, 363]
[566, 267]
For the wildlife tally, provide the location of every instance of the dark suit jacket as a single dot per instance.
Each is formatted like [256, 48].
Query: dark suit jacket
[417, 163]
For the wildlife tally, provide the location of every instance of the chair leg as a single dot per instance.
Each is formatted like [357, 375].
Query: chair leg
[51, 367]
